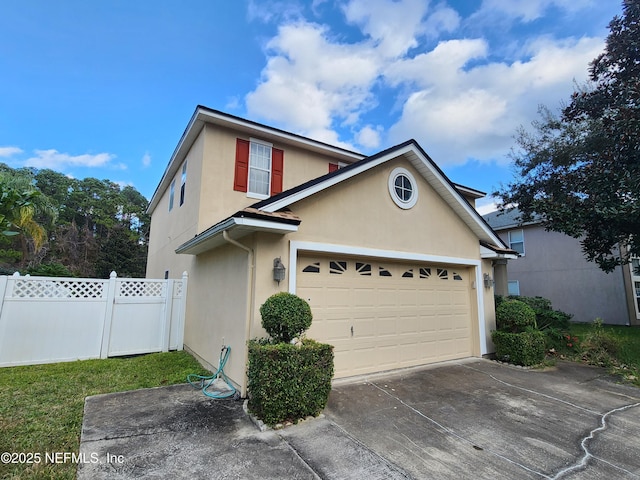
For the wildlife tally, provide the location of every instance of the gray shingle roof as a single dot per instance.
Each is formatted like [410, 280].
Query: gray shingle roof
[507, 219]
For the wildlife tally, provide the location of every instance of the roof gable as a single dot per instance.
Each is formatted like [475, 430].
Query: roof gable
[411, 151]
[204, 115]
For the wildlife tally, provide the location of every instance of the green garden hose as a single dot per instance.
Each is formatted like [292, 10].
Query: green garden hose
[203, 382]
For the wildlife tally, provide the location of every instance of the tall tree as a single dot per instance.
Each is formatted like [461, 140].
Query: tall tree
[579, 170]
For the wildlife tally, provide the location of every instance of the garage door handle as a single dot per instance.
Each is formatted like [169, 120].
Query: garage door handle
[352, 330]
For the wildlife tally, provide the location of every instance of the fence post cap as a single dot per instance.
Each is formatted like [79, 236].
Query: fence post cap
[185, 274]
[113, 274]
[16, 274]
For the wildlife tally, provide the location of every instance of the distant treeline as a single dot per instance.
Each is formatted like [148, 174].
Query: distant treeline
[54, 225]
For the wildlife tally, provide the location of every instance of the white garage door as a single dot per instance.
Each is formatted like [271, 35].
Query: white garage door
[381, 315]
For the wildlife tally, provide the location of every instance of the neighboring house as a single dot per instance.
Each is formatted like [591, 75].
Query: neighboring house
[552, 265]
[394, 260]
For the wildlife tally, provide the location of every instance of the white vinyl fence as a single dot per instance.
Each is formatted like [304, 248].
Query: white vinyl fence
[53, 319]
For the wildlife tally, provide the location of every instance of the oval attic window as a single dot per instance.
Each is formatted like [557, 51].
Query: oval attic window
[403, 188]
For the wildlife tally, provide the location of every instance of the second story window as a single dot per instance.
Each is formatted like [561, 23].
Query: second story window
[516, 241]
[172, 191]
[183, 182]
[258, 168]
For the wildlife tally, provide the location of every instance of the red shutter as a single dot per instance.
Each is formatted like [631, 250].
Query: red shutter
[242, 165]
[277, 166]
[333, 167]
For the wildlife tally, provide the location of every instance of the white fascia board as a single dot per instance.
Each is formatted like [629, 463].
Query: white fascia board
[260, 224]
[318, 187]
[266, 131]
[188, 137]
[487, 253]
[204, 236]
[231, 223]
[461, 202]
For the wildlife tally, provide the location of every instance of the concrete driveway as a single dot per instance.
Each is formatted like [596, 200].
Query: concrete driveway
[463, 420]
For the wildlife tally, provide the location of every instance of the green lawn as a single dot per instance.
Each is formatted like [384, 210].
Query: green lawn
[41, 406]
[627, 340]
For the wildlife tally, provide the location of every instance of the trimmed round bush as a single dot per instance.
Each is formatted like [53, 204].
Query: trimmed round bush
[515, 316]
[285, 316]
[526, 348]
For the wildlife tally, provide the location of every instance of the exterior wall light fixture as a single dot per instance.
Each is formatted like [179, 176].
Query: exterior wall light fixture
[278, 270]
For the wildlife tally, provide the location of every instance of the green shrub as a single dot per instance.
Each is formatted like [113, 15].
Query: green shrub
[288, 382]
[514, 316]
[524, 348]
[600, 347]
[537, 303]
[50, 270]
[285, 316]
[546, 316]
[553, 319]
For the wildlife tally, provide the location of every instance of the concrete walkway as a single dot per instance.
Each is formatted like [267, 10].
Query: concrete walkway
[470, 419]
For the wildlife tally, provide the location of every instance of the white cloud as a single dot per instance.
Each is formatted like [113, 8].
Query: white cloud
[57, 161]
[443, 19]
[394, 26]
[486, 205]
[457, 99]
[369, 137]
[461, 113]
[146, 159]
[311, 80]
[527, 10]
[9, 151]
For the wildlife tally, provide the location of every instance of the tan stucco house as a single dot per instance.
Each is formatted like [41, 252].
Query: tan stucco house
[397, 265]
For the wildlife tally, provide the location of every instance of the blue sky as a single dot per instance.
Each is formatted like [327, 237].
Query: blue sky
[106, 88]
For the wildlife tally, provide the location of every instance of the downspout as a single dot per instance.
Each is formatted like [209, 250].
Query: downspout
[250, 294]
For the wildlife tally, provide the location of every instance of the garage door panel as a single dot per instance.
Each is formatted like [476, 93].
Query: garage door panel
[381, 315]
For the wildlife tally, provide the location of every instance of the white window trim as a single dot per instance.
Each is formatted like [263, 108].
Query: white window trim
[520, 241]
[250, 194]
[183, 182]
[172, 192]
[296, 245]
[395, 173]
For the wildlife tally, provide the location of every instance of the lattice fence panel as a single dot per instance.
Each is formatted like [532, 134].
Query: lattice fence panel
[31, 288]
[177, 289]
[141, 288]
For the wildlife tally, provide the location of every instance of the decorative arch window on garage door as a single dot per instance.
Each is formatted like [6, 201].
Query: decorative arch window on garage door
[337, 267]
[408, 273]
[363, 269]
[313, 268]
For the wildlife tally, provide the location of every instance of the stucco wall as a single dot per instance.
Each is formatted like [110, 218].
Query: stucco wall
[169, 229]
[217, 308]
[220, 200]
[360, 211]
[553, 267]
